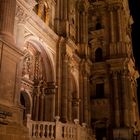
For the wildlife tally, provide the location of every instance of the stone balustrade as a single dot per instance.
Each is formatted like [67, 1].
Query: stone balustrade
[57, 130]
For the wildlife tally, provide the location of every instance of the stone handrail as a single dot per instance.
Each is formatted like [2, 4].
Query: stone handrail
[58, 130]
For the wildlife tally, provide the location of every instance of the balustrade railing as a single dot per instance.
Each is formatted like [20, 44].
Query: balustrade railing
[58, 130]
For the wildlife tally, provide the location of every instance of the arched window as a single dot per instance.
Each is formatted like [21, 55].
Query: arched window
[98, 26]
[100, 90]
[98, 55]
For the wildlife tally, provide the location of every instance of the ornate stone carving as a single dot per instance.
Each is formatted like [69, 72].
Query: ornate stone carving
[27, 67]
[21, 15]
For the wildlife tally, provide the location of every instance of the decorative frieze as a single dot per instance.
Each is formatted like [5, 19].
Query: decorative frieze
[21, 16]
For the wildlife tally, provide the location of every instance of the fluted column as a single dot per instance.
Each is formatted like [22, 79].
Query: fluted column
[37, 104]
[45, 108]
[7, 16]
[125, 99]
[78, 28]
[85, 100]
[70, 108]
[64, 88]
[131, 100]
[81, 91]
[116, 99]
[112, 25]
[69, 94]
[84, 26]
[65, 11]
[119, 24]
[42, 98]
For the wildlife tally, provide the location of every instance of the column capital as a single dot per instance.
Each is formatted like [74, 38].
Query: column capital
[21, 16]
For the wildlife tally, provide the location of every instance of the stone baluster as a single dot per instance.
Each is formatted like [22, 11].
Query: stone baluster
[43, 131]
[116, 99]
[7, 15]
[33, 130]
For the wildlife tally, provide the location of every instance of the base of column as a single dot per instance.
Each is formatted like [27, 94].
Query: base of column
[122, 133]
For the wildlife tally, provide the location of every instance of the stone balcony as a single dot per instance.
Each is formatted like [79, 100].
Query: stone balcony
[43, 130]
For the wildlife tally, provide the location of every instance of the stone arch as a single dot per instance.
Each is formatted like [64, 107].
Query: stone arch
[101, 128]
[26, 102]
[47, 56]
[43, 89]
[98, 55]
[74, 95]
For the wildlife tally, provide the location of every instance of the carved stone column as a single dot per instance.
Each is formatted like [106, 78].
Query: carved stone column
[69, 94]
[37, 105]
[119, 23]
[112, 25]
[7, 14]
[64, 98]
[85, 100]
[125, 98]
[116, 99]
[42, 100]
[76, 108]
[81, 84]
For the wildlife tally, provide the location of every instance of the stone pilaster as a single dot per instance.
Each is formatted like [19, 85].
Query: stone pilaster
[85, 100]
[81, 95]
[42, 99]
[111, 25]
[64, 107]
[125, 98]
[69, 94]
[7, 14]
[119, 24]
[37, 108]
[116, 100]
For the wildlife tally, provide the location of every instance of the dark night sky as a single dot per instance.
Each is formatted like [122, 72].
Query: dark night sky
[135, 12]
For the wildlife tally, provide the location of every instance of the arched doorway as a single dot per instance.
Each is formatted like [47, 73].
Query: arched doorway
[98, 55]
[73, 101]
[26, 105]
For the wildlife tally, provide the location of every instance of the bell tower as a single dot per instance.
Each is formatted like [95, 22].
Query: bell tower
[114, 106]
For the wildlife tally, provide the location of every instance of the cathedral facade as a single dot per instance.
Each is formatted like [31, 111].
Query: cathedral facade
[67, 71]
